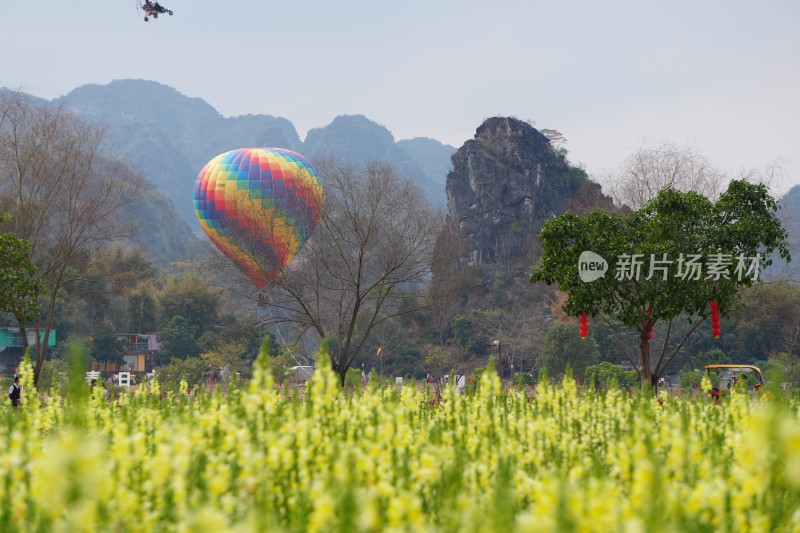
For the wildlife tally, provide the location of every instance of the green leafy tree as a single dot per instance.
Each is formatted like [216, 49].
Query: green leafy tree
[20, 287]
[105, 346]
[281, 364]
[407, 362]
[467, 334]
[177, 340]
[193, 298]
[691, 379]
[564, 346]
[711, 357]
[788, 366]
[229, 358]
[606, 374]
[141, 310]
[194, 370]
[436, 362]
[523, 379]
[742, 223]
[352, 379]
[239, 329]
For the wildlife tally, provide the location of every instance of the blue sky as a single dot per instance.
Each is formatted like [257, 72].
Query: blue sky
[723, 76]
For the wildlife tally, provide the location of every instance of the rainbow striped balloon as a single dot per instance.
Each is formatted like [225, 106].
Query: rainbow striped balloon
[259, 206]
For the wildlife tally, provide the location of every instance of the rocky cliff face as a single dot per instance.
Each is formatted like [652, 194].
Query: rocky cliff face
[505, 183]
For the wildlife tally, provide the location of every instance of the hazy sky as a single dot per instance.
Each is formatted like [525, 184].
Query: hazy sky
[722, 75]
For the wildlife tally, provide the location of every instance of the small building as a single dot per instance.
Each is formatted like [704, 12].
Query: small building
[626, 364]
[139, 348]
[11, 351]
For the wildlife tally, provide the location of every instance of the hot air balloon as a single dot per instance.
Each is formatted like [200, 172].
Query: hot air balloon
[259, 206]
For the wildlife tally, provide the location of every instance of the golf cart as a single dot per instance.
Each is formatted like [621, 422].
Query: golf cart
[725, 377]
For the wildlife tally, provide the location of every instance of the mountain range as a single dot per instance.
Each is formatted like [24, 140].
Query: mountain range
[170, 137]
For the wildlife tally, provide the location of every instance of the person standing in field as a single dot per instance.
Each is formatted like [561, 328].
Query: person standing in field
[15, 393]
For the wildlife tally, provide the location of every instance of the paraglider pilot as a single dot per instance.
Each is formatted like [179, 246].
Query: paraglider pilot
[154, 7]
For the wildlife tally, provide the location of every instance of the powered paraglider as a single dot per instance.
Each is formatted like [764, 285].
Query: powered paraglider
[151, 9]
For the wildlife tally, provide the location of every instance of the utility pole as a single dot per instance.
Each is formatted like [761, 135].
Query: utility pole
[499, 345]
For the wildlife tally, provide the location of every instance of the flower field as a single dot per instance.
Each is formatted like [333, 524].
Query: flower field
[253, 460]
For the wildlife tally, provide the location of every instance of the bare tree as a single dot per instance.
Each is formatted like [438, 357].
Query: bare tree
[365, 263]
[520, 333]
[62, 195]
[452, 280]
[652, 168]
[790, 334]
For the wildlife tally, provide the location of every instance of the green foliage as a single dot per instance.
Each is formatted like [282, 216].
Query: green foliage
[784, 367]
[141, 311]
[691, 378]
[563, 347]
[194, 370]
[524, 379]
[742, 222]
[577, 177]
[235, 328]
[436, 362]
[176, 339]
[352, 379]
[105, 346]
[475, 379]
[408, 362]
[281, 365]
[77, 388]
[465, 334]
[20, 287]
[55, 373]
[606, 375]
[229, 359]
[499, 292]
[764, 325]
[712, 357]
[473, 331]
[193, 298]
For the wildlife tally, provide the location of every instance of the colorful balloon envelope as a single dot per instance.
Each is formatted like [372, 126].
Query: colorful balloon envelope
[259, 206]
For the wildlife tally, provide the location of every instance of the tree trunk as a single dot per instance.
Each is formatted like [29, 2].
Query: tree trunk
[41, 344]
[23, 334]
[644, 351]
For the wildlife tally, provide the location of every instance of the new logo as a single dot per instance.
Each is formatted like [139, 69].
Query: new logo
[591, 266]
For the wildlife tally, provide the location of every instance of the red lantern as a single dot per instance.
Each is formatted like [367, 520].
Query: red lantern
[584, 325]
[715, 326]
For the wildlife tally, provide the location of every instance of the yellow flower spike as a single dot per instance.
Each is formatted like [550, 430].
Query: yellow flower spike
[262, 452]
[705, 384]
[790, 433]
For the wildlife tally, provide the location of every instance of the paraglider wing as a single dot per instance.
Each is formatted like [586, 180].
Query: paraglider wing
[259, 206]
